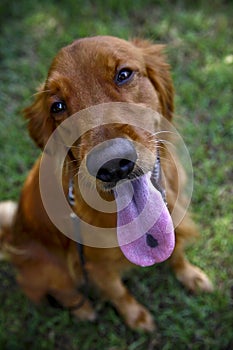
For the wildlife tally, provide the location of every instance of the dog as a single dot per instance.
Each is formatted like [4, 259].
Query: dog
[109, 72]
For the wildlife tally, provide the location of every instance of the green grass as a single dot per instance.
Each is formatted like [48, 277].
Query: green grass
[199, 37]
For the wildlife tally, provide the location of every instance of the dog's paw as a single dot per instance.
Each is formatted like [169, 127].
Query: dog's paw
[85, 312]
[194, 278]
[139, 318]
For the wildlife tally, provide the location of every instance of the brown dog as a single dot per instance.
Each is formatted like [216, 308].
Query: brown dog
[89, 72]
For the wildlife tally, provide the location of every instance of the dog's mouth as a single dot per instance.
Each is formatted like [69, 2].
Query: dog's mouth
[111, 186]
[144, 226]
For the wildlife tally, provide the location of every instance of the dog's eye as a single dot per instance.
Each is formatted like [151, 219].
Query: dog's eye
[58, 107]
[123, 76]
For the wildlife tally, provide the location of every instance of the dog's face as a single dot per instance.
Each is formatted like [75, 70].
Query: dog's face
[100, 70]
[99, 74]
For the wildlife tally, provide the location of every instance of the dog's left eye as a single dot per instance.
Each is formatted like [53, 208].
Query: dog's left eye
[58, 107]
[123, 76]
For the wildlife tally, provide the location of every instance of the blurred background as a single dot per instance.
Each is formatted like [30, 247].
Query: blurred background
[199, 39]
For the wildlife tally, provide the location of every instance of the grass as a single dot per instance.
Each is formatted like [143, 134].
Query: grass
[199, 39]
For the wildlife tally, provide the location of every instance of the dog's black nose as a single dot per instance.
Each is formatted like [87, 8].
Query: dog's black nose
[112, 160]
[115, 170]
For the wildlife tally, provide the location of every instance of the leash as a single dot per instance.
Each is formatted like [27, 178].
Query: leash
[80, 248]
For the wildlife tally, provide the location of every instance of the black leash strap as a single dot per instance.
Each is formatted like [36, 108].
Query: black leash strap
[78, 238]
[76, 226]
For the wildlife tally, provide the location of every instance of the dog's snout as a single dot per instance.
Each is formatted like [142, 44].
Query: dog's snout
[112, 160]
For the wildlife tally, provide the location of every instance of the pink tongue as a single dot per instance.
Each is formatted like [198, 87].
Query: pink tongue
[144, 226]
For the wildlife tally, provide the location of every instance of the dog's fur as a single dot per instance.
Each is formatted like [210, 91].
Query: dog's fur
[47, 261]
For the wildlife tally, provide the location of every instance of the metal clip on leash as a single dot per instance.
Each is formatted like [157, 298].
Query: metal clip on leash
[156, 177]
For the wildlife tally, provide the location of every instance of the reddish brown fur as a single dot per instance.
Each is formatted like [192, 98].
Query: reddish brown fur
[46, 260]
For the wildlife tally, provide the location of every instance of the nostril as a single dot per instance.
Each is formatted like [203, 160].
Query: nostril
[104, 175]
[115, 170]
[126, 165]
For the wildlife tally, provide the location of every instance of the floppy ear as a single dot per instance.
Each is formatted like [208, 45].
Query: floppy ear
[40, 125]
[158, 71]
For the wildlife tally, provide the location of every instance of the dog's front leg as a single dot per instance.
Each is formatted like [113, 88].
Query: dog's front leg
[192, 277]
[41, 277]
[110, 284]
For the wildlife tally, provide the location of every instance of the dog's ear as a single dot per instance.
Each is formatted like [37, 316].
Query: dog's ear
[158, 71]
[40, 125]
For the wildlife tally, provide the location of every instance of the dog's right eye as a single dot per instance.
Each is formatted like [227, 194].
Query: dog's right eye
[58, 107]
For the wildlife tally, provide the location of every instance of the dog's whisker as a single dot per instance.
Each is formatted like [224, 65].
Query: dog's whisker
[75, 146]
[162, 147]
[163, 132]
[167, 143]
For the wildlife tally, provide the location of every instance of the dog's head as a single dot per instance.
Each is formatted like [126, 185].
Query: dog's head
[99, 70]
